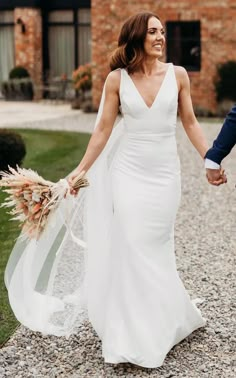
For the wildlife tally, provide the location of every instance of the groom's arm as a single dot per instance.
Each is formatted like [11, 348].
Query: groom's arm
[224, 142]
[221, 148]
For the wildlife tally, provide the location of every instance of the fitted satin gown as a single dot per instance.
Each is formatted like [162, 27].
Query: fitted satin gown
[142, 310]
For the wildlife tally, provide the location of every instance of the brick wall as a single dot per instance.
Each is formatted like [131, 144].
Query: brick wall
[28, 45]
[218, 34]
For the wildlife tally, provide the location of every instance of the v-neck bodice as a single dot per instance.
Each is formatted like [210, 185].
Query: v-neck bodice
[157, 92]
[161, 116]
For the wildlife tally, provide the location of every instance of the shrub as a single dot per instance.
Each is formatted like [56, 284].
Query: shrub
[223, 107]
[225, 82]
[12, 149]
[18, 73]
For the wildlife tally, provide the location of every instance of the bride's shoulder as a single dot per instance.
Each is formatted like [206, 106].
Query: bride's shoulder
[180, 72]
[113, 79]
[181, 76]
[114, 75]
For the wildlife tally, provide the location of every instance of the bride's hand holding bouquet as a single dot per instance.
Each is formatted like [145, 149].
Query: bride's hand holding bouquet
[33, 198]
[75, 180]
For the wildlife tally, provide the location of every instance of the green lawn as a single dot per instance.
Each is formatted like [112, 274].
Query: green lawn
[53, 155]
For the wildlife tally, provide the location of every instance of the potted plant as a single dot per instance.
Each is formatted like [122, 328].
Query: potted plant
[82, 81]
[19, 87]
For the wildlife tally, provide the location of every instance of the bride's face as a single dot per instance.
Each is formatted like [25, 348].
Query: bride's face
[155, 38]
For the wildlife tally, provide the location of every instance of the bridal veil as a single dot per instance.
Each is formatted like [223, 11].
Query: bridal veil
[50, 280]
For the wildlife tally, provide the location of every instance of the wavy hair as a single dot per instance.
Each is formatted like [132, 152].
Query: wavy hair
[130, 51]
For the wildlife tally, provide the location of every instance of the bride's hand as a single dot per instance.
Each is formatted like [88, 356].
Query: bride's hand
[71, 179]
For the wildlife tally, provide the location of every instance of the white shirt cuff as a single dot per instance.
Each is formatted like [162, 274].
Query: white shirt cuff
[209, 164]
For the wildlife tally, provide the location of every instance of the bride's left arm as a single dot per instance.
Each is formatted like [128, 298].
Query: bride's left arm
[189, 121]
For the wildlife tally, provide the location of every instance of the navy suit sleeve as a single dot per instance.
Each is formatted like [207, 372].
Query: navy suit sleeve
[225, 140]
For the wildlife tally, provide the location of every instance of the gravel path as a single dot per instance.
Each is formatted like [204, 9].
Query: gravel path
[205, 249]
[45, 116]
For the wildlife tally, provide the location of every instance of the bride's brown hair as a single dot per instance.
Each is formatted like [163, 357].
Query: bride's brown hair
[130, 51]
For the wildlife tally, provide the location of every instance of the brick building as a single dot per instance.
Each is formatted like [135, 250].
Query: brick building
[55, 36]
[49, 38]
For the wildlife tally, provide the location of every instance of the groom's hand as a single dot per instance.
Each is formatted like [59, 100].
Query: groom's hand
[216, 176]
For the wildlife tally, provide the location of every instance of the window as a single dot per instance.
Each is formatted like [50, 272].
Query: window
[7, 58]
[61, 40]
[84, 33]
[68, 41]
[184, 44]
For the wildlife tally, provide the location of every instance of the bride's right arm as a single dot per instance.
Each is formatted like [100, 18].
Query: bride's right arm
[103, 130]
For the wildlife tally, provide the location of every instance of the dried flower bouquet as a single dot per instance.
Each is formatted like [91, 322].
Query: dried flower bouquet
[33, 198]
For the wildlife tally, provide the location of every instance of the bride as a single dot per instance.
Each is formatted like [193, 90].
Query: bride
[121, 229]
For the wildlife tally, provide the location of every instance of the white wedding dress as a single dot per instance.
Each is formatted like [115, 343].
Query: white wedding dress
[135, 299]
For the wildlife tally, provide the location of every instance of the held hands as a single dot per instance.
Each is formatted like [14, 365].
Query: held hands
[216, 176]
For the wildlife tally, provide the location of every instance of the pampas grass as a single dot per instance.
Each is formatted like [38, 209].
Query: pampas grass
[33, 198]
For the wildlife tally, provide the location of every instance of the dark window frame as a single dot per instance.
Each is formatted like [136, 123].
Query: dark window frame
[42, 4]
[6, 23]
[46, 25]
[193, 67]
